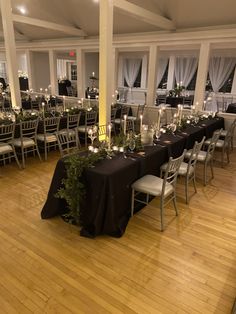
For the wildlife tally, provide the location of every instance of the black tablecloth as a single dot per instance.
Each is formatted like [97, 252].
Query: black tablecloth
[106, 209]
[175, 101]
[107, 206]
[231, 108]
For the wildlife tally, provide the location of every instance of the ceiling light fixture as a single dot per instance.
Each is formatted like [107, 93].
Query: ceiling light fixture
[22, 10]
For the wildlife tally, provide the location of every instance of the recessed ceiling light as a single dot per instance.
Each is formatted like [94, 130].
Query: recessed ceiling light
[96, 1]
[22, 10]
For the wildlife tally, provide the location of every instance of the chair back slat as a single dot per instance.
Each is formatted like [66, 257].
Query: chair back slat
[28, 128]
[194, 153]
[51, 124]
[214, 139]
[91, 118]
[7, 132]
[172, 170]
[73, 120]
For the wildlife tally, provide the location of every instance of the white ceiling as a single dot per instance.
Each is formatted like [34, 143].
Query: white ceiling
[84, 14]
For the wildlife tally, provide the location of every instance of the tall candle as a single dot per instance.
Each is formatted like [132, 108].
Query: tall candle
[43, 104]
[93, 74]
[141, 123]
[125, 118]
[181, 113]
[109, 137]
[89, 104]
[64, 103]
[159, 119]
[178, 111]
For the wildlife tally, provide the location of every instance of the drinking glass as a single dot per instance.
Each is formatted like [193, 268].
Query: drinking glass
[132, 145]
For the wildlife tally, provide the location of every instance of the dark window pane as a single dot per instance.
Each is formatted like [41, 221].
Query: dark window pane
[192, 84]
[163, 82]
[226, 88]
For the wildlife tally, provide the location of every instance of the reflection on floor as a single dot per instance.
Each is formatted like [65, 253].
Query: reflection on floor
[46, 267]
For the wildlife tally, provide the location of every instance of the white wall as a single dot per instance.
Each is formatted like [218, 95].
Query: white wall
[41, 71]
[21, 61]
[91, 65]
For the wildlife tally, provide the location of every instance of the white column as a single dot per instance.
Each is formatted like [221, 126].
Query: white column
[115, 70]
[105, 60]
[80, 72]
[203, 64]
[53, 72]
[10, 46]
[171, 73]
[233, 89]
[152, 75]
[30, 68]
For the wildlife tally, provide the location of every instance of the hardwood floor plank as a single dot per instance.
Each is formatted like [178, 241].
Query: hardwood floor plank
[46, 267]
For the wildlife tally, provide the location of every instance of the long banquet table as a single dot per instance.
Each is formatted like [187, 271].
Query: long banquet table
[106, 209]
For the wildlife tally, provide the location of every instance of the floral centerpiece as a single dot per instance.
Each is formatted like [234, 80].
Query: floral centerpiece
[177, 91]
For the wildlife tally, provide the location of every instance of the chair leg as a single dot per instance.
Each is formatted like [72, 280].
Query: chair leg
[212, 171]
[16, 158]
[132, 203]
[175, 205]
[37, 150]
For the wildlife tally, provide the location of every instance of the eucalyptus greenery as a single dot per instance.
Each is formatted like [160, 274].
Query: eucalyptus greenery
[73, 190]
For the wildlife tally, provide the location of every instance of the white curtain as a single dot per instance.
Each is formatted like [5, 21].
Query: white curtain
[220, 69]
[162, 64]
[3, 70]
[61, 69]
[185, 68]
[131, 69]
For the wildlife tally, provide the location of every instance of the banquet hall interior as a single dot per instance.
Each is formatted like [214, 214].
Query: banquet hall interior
[118, 156]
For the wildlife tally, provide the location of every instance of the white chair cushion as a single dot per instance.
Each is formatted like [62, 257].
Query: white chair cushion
[203, 155]
[49, 137]
[5, 148]
[207, 142]
[117, 120]
[64, 131]
[82, 128]
[220, 143]
[152, 185]
[27, 142]
[182, 170]
[188, 154]
[222, 133]
[131, 118]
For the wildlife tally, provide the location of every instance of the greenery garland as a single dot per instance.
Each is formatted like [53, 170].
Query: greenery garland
[73, 190]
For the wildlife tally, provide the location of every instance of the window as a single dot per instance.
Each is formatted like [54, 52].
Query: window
[74, 72]
[163, 82]
[226, 88]
[192, 84]
[137, 82]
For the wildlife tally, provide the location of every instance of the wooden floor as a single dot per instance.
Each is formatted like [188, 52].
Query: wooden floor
[46, 267]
